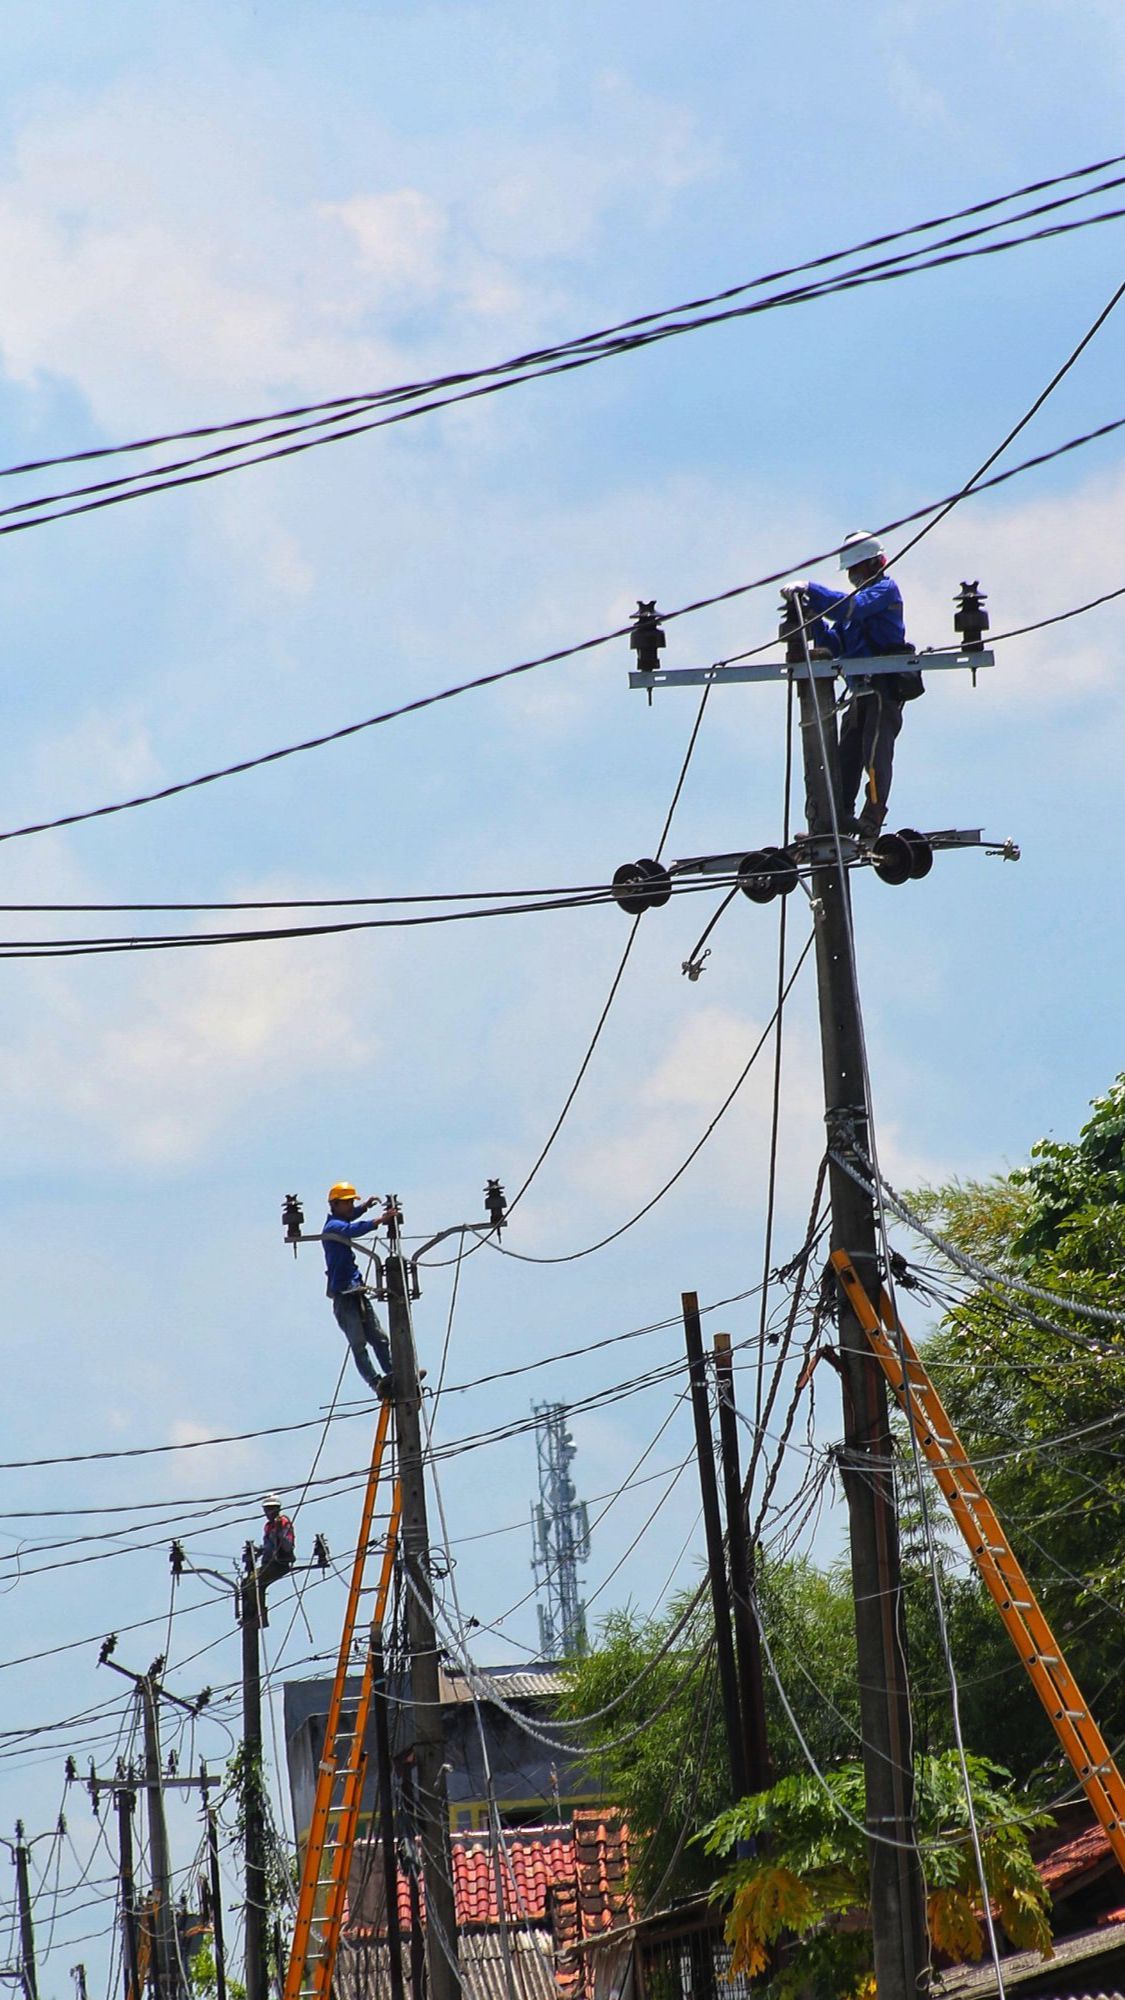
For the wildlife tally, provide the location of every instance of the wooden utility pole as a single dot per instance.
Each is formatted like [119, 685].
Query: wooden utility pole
[716, 1555]
[425, 1679]
[866, 1465]
[748, 1647]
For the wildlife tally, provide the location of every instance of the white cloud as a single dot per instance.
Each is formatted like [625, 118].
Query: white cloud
[156, 1073]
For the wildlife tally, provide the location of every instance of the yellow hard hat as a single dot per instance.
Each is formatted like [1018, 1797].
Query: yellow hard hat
[341, 1191]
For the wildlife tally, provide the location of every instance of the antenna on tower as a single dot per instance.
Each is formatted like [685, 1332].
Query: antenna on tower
[560, 1537]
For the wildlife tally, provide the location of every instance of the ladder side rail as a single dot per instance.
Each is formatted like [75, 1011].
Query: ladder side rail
[326, 1777]
[988, 1545]
[346, 1812]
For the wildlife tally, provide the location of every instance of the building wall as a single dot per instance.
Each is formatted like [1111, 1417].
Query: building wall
[532, 1785]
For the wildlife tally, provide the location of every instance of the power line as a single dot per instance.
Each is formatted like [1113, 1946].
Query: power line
[542, 659]
[343, 403]
[173, 475]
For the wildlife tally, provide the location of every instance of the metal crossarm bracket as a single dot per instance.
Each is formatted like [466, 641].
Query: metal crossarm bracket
[939, 660]
[993, 1555]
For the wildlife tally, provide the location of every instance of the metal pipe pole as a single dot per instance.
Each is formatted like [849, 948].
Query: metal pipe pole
[27, 1931]
[713, 1530]
[897, 1894]
[257, 1986]
[125, 1799]
[425, 1680]
[748, 1648]
[386, 1812]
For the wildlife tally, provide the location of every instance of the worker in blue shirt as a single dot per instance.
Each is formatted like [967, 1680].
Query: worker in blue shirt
[859, 624]
[355, 1314]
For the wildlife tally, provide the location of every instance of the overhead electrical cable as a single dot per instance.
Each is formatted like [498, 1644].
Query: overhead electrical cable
[343, 403]
[500, 674]
[174, 475]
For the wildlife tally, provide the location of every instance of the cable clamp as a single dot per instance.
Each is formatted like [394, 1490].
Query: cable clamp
[694, 966]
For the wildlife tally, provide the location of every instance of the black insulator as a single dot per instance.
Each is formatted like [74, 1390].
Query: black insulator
[641, 885]
[892, 858]
[921, 853]
[647, 638]
[495, 1203]
[970, 620]
[767, 872]
[176, 1558]
[292, 1218]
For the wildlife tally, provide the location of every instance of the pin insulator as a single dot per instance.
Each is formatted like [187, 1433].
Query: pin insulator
[176, 1558]
[292, 1218]
[647, 638]
[496, 1204]
[320, 1552]
[971, 620]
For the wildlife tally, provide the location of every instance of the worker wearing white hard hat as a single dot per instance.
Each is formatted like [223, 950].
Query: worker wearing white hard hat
[863, 623]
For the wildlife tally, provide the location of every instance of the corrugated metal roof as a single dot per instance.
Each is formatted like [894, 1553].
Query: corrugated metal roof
[363, 1973]
[510, 1683]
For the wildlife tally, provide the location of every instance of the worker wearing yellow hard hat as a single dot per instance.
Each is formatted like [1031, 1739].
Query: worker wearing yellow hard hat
[351, 1301]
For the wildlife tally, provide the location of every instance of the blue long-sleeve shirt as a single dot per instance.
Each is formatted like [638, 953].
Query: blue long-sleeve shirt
[862, 625]
[339, 1257]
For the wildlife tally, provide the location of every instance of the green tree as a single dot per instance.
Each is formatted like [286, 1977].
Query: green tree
[1037, 1394]
[807, 1882]
[660, 1753]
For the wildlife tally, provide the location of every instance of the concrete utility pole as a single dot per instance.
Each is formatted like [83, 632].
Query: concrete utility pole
[125, 1799]
[748, 1647]
[716, 1557]
[387, 1814]
[425, 1682]
[897, 1895]
[21, 1852]
[250, 1616]
[166, 1974]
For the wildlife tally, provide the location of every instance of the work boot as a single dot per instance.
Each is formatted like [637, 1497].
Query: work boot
[869, 824]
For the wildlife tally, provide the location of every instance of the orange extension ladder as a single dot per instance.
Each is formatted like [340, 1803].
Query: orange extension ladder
[994, 1556]
[339, 1785]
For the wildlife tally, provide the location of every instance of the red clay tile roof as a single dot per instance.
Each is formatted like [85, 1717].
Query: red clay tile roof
[572, 1879]
[1064, 1866]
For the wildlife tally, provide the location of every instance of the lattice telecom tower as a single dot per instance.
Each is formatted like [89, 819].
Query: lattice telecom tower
[560, 1537]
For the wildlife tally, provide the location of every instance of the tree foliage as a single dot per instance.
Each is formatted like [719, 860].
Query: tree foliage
[1036, 1393]
[807, 1881]
[671, 1776]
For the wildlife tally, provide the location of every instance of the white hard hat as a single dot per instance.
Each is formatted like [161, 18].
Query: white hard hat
[860, 547]
[271, 1500]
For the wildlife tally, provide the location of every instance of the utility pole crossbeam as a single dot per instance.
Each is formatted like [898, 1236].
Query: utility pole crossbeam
[939, 660]
[993, 1555]
[560, 1537]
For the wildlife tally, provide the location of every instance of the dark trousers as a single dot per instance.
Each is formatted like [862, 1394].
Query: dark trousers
[871, 723]
[359, 1322]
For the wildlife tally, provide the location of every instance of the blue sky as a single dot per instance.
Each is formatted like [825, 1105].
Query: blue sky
[215, 210]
